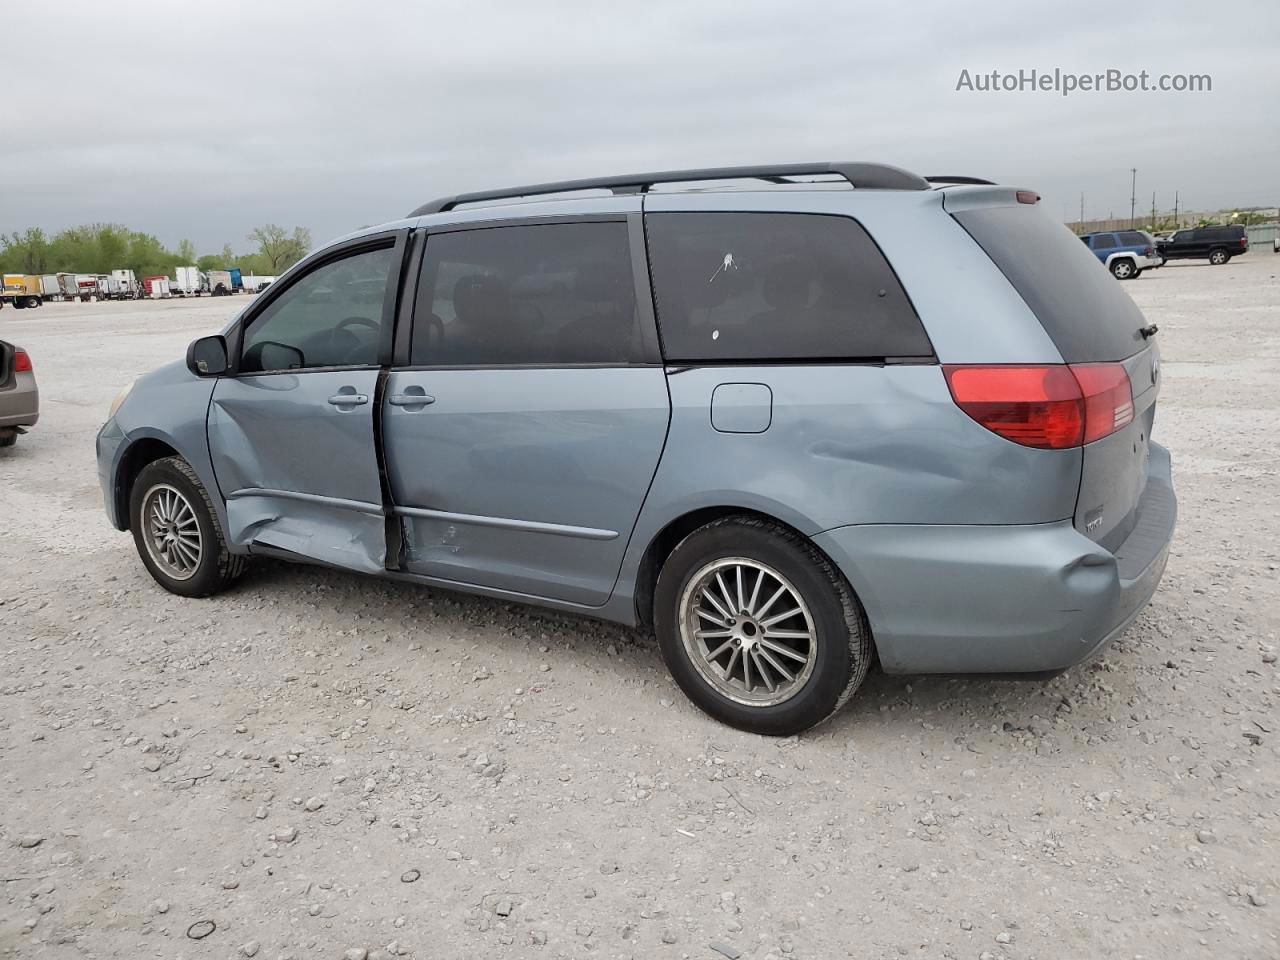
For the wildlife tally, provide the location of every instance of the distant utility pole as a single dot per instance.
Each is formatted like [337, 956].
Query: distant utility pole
[1175, 210]
[1153, 211]
[1082, 206]
[1133, 196]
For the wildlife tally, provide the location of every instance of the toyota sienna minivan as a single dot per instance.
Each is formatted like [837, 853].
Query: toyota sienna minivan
[790, 418]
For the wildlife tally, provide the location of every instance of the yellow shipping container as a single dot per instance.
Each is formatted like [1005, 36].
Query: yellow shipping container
[21, 284]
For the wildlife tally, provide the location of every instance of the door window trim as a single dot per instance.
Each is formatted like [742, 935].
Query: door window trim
[394, 240]
[647, 316]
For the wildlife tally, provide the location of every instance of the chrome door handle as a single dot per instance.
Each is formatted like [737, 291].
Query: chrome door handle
[414, 397]
[348, 399]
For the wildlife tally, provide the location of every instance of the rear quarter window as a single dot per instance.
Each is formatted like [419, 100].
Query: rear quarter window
[759, 287]
[1083, 309]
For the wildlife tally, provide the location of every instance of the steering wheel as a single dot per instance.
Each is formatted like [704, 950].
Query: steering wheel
[343, 328]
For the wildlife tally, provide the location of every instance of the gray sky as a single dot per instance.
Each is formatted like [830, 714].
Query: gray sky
[206, 121]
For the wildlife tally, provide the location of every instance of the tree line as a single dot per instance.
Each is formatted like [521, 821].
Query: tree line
[103, 247]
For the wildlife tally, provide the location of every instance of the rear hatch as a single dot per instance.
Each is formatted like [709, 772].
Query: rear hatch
[1091, 320]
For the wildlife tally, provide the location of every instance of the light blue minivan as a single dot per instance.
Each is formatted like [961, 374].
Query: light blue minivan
[791, 418]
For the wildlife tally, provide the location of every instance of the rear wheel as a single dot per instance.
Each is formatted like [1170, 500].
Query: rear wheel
[1218, 257]
[8, 438]
[759, 628]
[1123, 268]
[176, 531]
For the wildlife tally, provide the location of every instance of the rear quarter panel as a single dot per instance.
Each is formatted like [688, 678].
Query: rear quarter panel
[852, 444]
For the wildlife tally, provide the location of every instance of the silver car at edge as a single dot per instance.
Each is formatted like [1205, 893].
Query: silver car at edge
[790, 418]
[19, 396]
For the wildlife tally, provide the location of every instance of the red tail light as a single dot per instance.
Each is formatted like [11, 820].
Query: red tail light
[1051, 407]
[1149, 251]
[21, 361]
[1108, 398]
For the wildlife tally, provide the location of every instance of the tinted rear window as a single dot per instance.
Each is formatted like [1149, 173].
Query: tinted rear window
[1082, 307]
[776, 286]
[1132, 238]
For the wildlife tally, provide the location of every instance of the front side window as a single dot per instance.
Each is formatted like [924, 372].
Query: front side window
[776, 286]
[332, 317]
[544, 294]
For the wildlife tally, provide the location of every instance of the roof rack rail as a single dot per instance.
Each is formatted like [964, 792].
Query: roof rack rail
[865, 176]
[977, 181]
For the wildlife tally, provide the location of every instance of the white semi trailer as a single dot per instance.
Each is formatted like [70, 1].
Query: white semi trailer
[187, 282]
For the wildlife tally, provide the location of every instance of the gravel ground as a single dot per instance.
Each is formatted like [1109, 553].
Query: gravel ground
[319, 765]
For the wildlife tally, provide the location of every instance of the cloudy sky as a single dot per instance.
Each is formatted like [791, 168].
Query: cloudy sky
[203, 121]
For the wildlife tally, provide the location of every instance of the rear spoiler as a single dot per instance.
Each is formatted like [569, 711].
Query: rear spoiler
[973, 197]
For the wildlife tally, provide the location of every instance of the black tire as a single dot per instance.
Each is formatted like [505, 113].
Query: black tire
[8, 438]
[843, 639]
[1122, 268]
[217, 566]
[1218, 257]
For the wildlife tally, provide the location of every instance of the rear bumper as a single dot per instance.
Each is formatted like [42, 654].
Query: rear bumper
[18, 418]
[1004, 599]
[20, 402]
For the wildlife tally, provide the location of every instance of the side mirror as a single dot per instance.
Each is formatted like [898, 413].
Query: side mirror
[207, 357]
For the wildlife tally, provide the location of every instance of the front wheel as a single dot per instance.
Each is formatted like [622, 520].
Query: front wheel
[759, 628]
[1218, 257]
[1123, 269]
[176, 531]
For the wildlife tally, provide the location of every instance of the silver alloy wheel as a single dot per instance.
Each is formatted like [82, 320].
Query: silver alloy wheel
[748, 632]
[1123, 269]
[171, 531]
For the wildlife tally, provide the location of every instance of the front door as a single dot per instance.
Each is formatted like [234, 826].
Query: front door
[523, 433]
[292, 431]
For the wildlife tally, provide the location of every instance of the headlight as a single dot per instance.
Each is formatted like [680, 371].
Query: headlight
[115, 404]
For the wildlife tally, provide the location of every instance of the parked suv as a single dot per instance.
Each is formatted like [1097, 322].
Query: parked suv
[1215, 244]
[843, 413]
[1126, 253]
